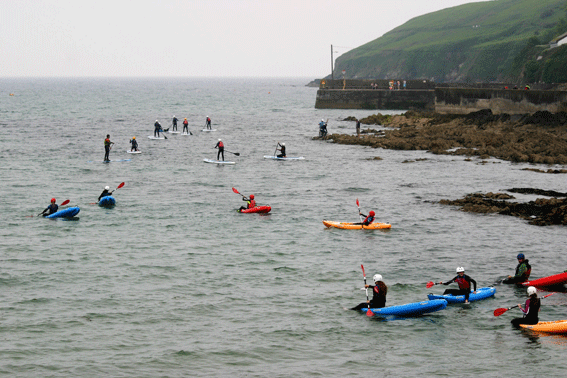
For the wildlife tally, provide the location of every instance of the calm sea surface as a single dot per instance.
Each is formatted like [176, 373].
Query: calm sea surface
[173, 282]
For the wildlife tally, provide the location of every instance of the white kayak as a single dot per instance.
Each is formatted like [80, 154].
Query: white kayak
[209, 130]
[134, 152]
[186, 134]
[284, 158]
[153, 137]
[218, 161]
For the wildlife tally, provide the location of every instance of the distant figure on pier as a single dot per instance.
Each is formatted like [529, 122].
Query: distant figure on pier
[404, 84]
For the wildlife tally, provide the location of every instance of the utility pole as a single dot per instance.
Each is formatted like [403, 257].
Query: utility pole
[332, 62]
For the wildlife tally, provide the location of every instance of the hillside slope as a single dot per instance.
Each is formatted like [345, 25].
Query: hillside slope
[487, 41]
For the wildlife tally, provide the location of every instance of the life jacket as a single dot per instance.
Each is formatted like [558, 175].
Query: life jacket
[463, 283]
[107, 142]
[368, 220]
[251, 204]
[221, 145]
[185, 122]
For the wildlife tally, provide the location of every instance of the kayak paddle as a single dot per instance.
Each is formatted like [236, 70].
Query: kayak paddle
[62, 204]
[358, 205]
[369, 312]
[500, 311]
[237, 192]
[430, 284]
[118, 187]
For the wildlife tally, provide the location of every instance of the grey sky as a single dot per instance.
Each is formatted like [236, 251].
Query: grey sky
[188, 38]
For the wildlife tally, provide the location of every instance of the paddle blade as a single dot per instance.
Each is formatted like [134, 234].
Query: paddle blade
[429, 284]
[235, 191]
[357, 203]
[65, 202]
[500, 311]
[362, 266]
[120, 186]
[369, 313]
[236, 153]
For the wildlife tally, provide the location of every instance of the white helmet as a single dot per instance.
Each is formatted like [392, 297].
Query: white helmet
[322, 120]
[156, 120]
[377, 278]
[460, 269]
[531, 290]
[174, 116]
[283, 144]
[107, 188]
[219, 140]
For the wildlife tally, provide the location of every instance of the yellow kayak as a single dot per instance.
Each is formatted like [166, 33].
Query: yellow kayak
[558, 326]
[355, 226]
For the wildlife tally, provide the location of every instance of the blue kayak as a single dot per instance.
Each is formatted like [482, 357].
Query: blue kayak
[65, 213]
[481, 293]
[410, 309]
[107, 201]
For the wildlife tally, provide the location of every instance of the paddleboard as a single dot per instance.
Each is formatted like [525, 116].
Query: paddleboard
[116, 161]
[283, 158]
[174, 132]
[481, 293]
[186, 134]
[134, 152]
[209, 130]
[556, 279]
[410, 309]
[218, 161]
[153, 137]
[65, 213]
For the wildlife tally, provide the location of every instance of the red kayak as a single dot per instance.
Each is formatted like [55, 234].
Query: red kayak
[257, 209]
[556, 279]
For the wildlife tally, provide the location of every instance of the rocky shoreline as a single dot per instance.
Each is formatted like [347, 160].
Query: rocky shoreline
[539, 138]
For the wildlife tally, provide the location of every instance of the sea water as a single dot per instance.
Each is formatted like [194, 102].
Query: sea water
[174, 282]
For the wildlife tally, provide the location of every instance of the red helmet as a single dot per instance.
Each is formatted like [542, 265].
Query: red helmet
[251, 196]
[53, 200]
[371, 213]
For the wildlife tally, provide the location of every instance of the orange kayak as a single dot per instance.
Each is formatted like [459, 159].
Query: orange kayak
[355, 226]
[558, 326]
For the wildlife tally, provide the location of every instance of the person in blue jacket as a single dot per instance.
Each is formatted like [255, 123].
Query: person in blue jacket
[464, 283]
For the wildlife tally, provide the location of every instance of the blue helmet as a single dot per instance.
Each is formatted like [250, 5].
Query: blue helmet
[521, 256]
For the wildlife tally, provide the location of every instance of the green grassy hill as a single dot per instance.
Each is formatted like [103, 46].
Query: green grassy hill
[490, 41]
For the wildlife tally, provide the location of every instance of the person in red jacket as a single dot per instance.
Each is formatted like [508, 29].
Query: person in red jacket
[251, 202]
[220, 146]
[464, 283]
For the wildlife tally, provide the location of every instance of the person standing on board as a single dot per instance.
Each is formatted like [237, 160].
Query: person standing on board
[134, 144]
[220, 146]
[157, 128]
[185, 126]
[281, 149]
[530, 310]
[105, 192]
[174, 123]
[251, 203]
[523, 271]
[208, 123]
[107, 146]
[51, 209]
[464, 282]
[379, 292]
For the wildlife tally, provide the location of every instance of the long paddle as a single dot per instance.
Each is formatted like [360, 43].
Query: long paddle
[276, 150]
[500, 311]
[62, 204]
[236, 153]
[369, 312]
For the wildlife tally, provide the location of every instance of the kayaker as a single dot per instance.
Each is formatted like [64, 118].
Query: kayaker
[107, 146]
[105, 192]
[251, 202]
[220, 146]
[157, 128]
[523, 271]
[185, 126]
[367, 218]
[281, 149]
[208, 124]
[134, 144]
[174, 123]
[464, 282]
[530, 310]
[51, 209]
[379, 290]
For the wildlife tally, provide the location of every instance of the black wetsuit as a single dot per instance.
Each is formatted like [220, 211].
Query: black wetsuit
[464, 286]
[104, 194]
[530, 310]
[220, 146]
[378, 299]
[522, 274]
[52, 208]
[157, 129]
[134, 145]
[174, 124]
[186, 126]
[282, 150]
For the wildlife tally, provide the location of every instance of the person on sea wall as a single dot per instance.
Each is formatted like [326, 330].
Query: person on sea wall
[134, 144]
[281, 149]
[464, 282]
[251, 203]
[322, 128]
[379, 292]
[157, 128]
[106, 192]
[208, 123]
[530, 310]
[185, 126]
[107, 146]
[220, 146]
[527, 87]
[51, 209]
[174, 123]
[523, 271]
[367, 218]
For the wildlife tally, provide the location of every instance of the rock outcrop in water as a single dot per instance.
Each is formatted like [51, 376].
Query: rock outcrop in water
[541, 212]
[539, 138]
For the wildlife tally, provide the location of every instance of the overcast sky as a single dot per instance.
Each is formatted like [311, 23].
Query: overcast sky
[188, 38]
